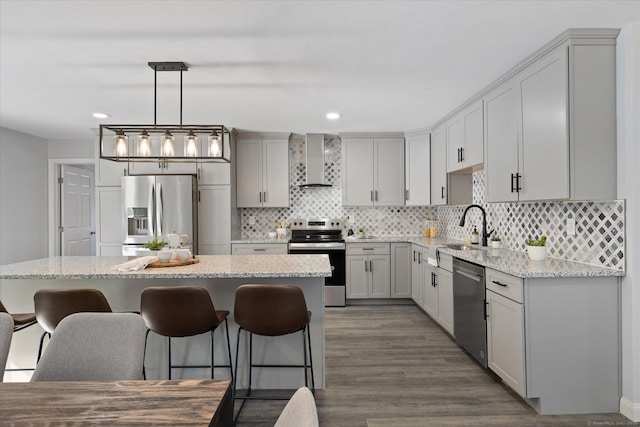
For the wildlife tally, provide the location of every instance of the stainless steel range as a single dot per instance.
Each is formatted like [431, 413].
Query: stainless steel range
[323, 236]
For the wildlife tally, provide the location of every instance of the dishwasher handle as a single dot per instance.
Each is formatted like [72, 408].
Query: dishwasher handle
[469, 275]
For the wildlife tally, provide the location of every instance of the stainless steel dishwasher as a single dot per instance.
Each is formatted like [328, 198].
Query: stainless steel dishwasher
[469, 322]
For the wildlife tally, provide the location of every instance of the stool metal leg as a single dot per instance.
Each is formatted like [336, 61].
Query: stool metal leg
[304, 354]
[313, 381]
[169, 356]
[41, 345]
[144, 353]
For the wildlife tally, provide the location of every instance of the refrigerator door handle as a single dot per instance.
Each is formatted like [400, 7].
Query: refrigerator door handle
[151, 209]
[160, 207]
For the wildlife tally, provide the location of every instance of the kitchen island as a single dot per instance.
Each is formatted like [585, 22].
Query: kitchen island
[219, 274]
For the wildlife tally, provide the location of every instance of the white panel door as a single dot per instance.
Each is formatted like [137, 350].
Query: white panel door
[214, 220]
[501, 141]
[249, 173]
[445, 299]
[545, 136]
[416, 274]
[417, 170]
[473, 150]
[389, 172]
[357, 171]
[430, 291]
[400, 270]
[275, 169]
[455, 142]
[77, 188]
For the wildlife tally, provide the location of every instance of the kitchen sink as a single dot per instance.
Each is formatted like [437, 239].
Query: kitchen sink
[461, 247]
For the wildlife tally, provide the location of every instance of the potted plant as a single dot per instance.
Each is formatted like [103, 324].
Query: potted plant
[155, 245]
[496, 242]
[537, 249]
[361, 232]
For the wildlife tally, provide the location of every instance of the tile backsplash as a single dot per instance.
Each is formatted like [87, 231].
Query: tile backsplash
[599, 238]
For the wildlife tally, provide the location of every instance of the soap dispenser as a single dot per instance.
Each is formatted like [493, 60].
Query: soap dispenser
[475, 236]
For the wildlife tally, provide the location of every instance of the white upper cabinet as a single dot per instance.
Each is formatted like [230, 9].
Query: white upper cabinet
[417, 169]
[262, 172]
[465, 138]
[550, 129]
[439, 166]
[372, 170]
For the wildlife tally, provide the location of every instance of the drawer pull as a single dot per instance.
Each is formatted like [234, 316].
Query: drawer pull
[259, 249]
[367, 249]
[499, 283]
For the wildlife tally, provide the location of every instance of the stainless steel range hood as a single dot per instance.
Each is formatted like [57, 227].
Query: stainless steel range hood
[315, 161]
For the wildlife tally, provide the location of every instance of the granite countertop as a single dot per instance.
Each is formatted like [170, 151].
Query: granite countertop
[508, 261]
[209, 267]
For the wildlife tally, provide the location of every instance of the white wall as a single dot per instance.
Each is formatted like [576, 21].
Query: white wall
[628, 112]
[23, 197]
[69, 149]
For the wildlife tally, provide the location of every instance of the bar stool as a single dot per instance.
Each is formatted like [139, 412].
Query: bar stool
[53, 305]
[183, 311]
[20, 320]
[272, 310]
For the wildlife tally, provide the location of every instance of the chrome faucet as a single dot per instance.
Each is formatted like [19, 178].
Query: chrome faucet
[485, 235]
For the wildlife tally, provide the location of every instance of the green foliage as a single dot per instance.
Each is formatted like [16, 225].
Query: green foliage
[540, 242]
[496, 239]
[155, 244]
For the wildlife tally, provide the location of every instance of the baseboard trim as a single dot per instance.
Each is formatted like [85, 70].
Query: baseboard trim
[630, 410]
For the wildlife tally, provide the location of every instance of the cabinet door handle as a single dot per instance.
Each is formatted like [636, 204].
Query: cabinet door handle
[264, 199]
[370, 266]
[406, 194]
[504, 285]
[198, 174]
[260, 195]
[513, 177]
[486, 311]
[198, 195]
[366, 267]
[435, 280]
[419, 257]
[376, 193]
[372, 195]
[442, 192]
[518, 187]
[414, 256]
[461, 154]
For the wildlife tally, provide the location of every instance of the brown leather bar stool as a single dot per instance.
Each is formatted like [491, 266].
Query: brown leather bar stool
[20, 322]
[53, 305]
[183, 311]
[272, 310]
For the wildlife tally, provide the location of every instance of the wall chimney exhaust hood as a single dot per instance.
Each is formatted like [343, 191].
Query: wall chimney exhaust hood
[315, 161]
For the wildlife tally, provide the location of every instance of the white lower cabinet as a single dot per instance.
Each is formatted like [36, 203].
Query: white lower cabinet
[437, 295]
[505, 340]
[109, 221]
[368, 270]
[400, 270]
[417, 274]
[259, 249]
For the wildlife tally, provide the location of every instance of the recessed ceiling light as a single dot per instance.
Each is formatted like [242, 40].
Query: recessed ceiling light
[333, 116]
[100, 115]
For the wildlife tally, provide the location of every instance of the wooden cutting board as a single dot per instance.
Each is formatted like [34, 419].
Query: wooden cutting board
[174, 263]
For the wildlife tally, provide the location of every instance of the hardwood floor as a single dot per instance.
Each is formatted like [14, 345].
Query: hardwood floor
[393, 366]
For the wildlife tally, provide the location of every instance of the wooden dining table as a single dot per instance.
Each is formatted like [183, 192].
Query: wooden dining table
[131, 403]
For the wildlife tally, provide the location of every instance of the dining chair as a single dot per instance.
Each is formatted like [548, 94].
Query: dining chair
[300, 411]
[53, 305]
[94, 347]
[6, 333]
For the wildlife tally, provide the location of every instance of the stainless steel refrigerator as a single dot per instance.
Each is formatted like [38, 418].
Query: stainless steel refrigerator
[157, 205]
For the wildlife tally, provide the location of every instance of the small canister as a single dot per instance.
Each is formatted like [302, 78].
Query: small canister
[427, 227]
[433, 226]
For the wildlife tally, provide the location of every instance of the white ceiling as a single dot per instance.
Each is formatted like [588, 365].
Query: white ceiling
[268, 65]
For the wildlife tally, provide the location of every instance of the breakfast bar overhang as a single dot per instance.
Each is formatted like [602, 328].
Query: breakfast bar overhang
[221, 275]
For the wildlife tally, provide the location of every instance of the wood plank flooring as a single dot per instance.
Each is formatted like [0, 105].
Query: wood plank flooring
[393, 366]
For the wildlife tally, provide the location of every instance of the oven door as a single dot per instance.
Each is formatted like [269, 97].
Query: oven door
[334, 286]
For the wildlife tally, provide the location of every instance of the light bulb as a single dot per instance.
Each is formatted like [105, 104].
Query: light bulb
[191, 145]
[144, 144]
[121, 144]
[215, 148]
[168, 149]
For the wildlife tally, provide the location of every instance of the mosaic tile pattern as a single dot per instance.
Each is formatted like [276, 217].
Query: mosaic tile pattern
[599, 238]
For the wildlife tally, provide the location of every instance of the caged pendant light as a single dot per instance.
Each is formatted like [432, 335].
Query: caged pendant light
[157, 143]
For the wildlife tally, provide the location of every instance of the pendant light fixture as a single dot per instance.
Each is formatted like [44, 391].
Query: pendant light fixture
[202, 143]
